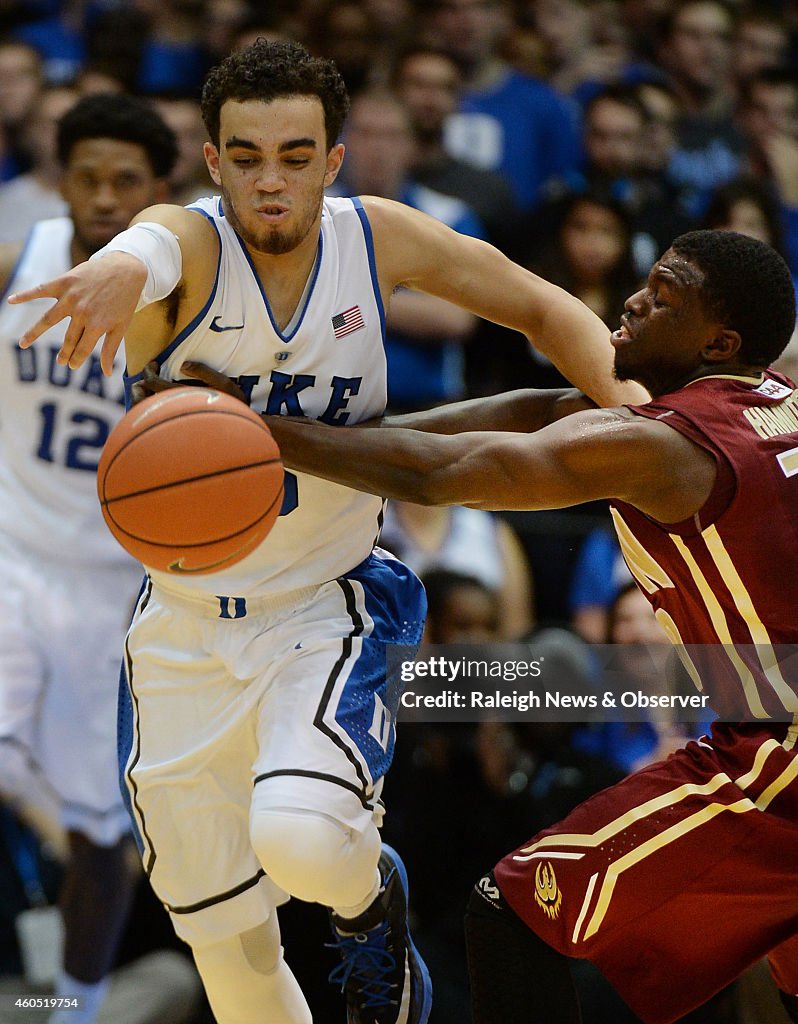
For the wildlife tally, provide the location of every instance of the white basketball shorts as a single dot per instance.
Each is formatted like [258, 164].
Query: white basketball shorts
[288, 692]
[62, 628]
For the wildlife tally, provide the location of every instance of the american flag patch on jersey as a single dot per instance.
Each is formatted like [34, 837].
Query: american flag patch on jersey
[350, 320]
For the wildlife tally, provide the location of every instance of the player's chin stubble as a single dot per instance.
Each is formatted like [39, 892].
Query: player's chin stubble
[271, 241]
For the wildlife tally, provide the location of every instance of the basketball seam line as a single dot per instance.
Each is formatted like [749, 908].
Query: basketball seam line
[203, 543]
[137, 434]
[189, 480]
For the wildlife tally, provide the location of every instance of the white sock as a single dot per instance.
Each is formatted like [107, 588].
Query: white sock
[90, 996]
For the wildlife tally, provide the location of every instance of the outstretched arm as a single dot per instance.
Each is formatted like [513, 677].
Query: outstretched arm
[417, 251]
[518, 411]
[601, 453]
[100, 296]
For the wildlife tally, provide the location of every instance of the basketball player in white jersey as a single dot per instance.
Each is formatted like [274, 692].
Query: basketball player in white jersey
[68, 588]
[258, 719]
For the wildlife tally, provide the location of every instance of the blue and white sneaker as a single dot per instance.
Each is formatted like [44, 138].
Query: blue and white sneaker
[384, 979]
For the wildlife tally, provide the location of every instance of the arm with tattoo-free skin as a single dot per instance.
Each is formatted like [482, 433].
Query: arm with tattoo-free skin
[599, 453]
[518, 411]
[413, 250]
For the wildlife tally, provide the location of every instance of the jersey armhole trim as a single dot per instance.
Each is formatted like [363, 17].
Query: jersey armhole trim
[369, 240]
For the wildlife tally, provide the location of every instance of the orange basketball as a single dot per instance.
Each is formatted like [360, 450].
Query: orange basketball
[190, 481]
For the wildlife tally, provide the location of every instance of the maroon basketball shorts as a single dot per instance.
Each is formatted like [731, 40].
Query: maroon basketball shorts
[678, 878]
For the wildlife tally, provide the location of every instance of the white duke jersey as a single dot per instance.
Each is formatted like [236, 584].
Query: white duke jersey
[328, 364]
[53, 421]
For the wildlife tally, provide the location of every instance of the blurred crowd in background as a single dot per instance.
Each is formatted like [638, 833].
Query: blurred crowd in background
[580, 137]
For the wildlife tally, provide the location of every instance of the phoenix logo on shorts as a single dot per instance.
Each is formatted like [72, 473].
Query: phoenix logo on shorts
[547, 893]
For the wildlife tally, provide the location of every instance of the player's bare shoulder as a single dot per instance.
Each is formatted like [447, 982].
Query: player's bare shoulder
[674, 475]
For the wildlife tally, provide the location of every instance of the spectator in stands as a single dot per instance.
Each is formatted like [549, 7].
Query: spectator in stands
[189, 179]
[614, 137]
[222, 23]
[664, 208]
[117, 38]
[35, 195]
[461, 609]
[631, 740]
[761, 42]
[395, 29]
[467, 541]
[344, 32]
[768, 116]
[60, 39]
[582, 54]
[425, 335]
[173, 58]
[749, 206]
[598, 576]
[428, 81]
[590, 255]
[506, 121]
[695, 51]
[21, 83]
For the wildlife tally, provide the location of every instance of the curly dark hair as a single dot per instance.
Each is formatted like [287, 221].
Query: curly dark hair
[268, 70]
[748, 286]
[125, 118]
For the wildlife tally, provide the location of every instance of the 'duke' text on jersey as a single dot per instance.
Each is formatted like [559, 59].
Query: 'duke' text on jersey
[35, 365]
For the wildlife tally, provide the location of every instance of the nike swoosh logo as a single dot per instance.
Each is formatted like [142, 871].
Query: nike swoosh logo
[177, 567]
[216, 326]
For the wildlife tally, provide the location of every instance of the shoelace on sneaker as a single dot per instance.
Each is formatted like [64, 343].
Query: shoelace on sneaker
[366, 961]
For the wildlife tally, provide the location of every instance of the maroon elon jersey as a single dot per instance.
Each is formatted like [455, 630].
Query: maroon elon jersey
[728, 576]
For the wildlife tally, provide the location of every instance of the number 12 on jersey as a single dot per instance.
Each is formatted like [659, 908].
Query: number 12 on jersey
[74, 440]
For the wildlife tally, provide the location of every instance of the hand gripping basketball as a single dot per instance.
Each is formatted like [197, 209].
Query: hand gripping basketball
[190, 481]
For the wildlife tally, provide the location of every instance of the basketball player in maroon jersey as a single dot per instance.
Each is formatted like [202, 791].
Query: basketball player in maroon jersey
[684, 874]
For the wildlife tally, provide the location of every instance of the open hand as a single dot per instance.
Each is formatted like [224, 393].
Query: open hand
[99, 297]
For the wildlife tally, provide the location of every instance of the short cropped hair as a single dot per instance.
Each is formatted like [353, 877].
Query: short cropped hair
[747, 286]
[623, 94]
[121, 117]
[268, 70]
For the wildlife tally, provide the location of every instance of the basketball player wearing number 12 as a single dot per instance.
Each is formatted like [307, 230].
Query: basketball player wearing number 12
[258, 722]
[68, 588]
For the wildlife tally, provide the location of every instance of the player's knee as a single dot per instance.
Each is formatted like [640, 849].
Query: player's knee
[304, 852]
[485, 902]
[488, 916]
